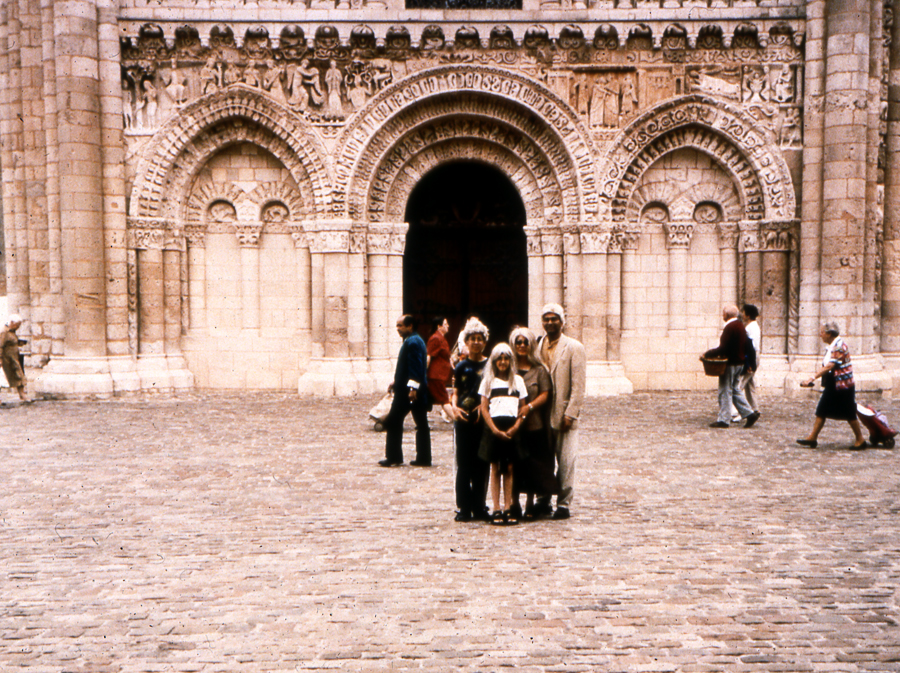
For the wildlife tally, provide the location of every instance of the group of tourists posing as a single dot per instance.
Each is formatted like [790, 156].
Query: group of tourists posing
[515, 414]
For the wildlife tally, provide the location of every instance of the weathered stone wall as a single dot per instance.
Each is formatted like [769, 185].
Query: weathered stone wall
[220, 201]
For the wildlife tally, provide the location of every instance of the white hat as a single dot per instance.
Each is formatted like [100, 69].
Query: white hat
[554, 308]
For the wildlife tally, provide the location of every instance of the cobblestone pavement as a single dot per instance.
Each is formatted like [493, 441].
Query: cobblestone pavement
[226, 532]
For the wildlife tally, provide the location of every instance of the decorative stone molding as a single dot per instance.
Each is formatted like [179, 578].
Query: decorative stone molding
[716, 127]
[678, 235]
[479, 91]
[184, 143]
[132, 273]
[358, 241]
[777, 236]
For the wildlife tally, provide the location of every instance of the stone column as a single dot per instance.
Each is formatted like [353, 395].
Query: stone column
[248, 234]
[728, 262]
[552, 249]
[304, 293]
[384, 245]
[535, 275]
[678, 242]
[813, 157]
[573, 291]
[750, 263]
[629, 245]
[616, 248]
[594, 244]
[331, 371]
[890, 280]
[775, 247]
[196, 254]
[844, 183]
[357, 326]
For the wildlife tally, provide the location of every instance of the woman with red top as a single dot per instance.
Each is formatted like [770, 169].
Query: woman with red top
[838, 400]
[438, 367]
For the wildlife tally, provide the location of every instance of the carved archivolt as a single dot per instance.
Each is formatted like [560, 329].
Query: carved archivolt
[395, 179]
[724, 132]
[515, 101]
[211, 123]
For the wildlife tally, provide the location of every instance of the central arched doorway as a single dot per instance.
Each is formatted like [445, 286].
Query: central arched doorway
[465, 249]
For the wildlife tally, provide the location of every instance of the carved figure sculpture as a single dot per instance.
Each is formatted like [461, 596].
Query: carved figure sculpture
[251, 75]
[784, 85]
[334, 79]
[298, 79]
[209, 75]
[629, 97]
[152, 103]
[175, 86]
[127, 105]
[272, 80]
[756, 87]
[230, 74]
[358, 88]
[604, 103]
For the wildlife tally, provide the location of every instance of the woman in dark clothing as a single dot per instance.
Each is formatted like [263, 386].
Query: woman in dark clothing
[838, 400]
[535, 473]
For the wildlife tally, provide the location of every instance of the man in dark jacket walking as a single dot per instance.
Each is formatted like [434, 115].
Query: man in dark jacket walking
[410, 394]
[731, 346]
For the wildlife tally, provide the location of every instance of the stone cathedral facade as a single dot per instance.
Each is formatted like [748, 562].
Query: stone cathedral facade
[248, 193]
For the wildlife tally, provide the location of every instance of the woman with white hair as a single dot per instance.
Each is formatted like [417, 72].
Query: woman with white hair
[503, 394]
[9, 356]
[535, 472]
[838, 400]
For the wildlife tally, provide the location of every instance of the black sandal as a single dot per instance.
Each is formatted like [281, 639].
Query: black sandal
[497, 518]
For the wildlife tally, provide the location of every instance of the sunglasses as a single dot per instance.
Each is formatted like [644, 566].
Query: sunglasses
[521, 342]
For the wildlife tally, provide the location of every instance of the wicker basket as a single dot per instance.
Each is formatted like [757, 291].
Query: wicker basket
[714, 366]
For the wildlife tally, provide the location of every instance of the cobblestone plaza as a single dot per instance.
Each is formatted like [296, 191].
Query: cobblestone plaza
[254, 532]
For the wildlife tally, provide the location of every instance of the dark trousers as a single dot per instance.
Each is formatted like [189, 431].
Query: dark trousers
[471, 471]
[393, 425]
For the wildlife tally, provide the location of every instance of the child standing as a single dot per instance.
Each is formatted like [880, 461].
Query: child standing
[503, 394]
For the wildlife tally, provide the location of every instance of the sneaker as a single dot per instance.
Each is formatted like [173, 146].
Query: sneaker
[719, 424]
[751, 419]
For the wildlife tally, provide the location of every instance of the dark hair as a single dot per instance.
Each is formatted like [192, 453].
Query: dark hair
[436, 322]
[751, 311]
[409, 320]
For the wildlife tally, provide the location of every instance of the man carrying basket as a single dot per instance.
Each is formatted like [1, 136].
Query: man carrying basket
[731, 350]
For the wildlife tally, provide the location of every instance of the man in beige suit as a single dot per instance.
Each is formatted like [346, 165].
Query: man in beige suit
[566, 361]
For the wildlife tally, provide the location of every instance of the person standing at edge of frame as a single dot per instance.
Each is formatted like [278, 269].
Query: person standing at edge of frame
[410, 394]
[565, 358]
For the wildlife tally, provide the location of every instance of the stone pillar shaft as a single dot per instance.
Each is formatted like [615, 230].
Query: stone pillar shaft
[574, 282]
[76, 40]
[151, 323]
[552, 248]
[250, 286]
[535, 275]
[890, 303]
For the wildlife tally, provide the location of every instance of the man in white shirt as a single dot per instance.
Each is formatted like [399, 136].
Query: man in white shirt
[749, 314]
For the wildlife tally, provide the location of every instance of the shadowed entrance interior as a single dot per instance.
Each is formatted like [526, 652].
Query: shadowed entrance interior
[465, 249]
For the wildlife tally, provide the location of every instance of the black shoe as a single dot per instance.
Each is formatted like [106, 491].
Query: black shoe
[515, 512]
[719, 424]
[481, 515]
[811, 443]
[498, 518]
[542, 510]
[751, 419]
[463, 517]
[389, 463]
[419, 463]
[860, 447]
[561, 513]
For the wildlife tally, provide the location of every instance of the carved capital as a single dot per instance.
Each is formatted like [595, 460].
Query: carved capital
[571, 239]
[728, 236]
[776, 236]
[328, 236]
[153, 233]
[533, 241]
[298, 234]
[678, 235]
[195, 235]
[594, 240]
[551, 242]
[358, 244]
[248, 233]
[386, 239]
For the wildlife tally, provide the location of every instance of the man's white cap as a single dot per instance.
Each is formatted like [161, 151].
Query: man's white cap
[554, 308]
